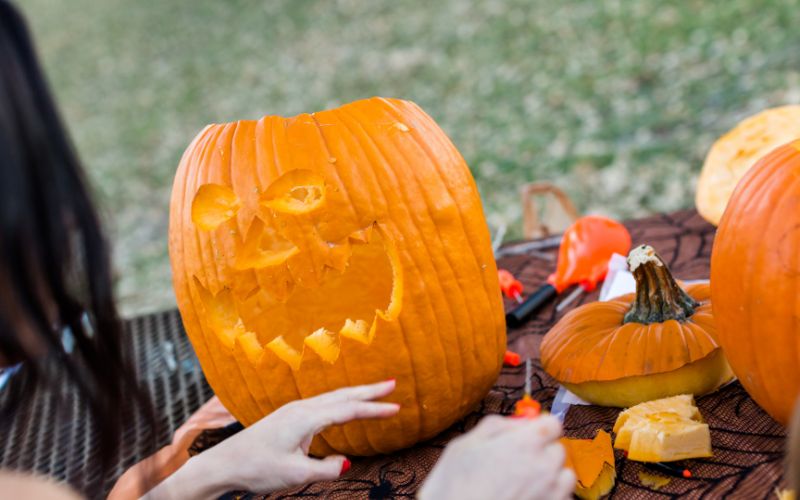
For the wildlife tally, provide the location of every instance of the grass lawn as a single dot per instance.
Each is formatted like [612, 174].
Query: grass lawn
[614, 101]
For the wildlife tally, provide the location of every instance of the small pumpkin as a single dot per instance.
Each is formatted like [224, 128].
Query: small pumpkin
[333, 249]
[755, 277]
[739, 149]
[655, 343]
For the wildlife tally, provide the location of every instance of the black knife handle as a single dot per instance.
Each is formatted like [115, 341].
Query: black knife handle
[533, 303]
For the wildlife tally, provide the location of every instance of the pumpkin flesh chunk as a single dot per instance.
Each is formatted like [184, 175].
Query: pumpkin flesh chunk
[665, 430]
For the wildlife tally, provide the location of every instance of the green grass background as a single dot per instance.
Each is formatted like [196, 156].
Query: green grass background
[614, 101]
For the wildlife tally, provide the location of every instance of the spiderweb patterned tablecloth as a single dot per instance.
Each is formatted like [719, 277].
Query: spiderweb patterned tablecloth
[748, 444]
[54, 435]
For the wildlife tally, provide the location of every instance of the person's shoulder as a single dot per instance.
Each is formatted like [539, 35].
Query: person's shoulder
[14, 485]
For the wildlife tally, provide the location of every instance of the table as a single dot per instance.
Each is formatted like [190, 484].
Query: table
[748, 444]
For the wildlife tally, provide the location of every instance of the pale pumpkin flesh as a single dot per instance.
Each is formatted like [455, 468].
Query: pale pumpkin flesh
[700, 377]
[664, 430]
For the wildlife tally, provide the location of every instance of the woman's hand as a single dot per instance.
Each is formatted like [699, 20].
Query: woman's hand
[503, 458]
[272, 454]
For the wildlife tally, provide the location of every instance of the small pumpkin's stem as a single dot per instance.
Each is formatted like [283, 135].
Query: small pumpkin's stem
[658, 297]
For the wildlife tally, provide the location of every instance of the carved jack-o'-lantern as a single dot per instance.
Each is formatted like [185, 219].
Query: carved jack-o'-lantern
[337, 248]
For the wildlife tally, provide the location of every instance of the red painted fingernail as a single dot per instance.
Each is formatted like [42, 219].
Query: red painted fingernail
[345, 466]
[687, 473]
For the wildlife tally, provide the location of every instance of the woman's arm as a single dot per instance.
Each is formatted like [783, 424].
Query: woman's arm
[272, 454]
[20, 485]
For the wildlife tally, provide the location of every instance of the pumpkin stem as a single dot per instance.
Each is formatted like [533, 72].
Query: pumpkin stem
[658, 297]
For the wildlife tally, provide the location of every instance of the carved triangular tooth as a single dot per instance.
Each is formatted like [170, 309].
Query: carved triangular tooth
[251, 347]
[362, 235]
[339, 255]
[358, 330]
[284, 351]
[325, 343]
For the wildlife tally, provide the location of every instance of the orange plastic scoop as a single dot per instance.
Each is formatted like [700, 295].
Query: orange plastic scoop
[585, 250]
[586, 247]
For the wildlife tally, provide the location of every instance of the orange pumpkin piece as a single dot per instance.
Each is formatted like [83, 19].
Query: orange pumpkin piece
[592, 460]
[332, 249]
[655, 343]
[755, 273]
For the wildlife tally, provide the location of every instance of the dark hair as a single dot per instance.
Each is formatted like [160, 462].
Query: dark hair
[55, 271]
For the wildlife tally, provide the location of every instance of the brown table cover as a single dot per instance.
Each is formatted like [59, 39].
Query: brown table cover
[54, 437]
[748, 444]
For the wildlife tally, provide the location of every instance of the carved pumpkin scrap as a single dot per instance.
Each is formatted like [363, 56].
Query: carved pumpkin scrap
[655, 343]
[592, 460]
[332, 249]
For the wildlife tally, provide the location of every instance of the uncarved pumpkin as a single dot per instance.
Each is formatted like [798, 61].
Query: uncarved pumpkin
[755, 281]
[332, 249]
[655, 343]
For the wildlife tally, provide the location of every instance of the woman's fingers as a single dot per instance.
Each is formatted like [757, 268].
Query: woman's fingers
[492, 425]
[356, 393]
[532, 434]
[330, 467]
[341, 413]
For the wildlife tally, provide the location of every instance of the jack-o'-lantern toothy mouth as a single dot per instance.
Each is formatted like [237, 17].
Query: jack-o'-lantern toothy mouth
[273, 310]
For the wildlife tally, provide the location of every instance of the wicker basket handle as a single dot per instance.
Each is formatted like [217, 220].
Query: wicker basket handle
[539, 224]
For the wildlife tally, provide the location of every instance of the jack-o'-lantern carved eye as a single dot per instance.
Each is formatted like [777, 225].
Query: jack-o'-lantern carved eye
[295, 192]
[213, 205]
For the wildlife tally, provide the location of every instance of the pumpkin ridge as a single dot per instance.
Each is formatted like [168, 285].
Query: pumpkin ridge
[180, 280]
[356, 145]
[769, 229]
[449, 298]
[761, 190]
[475, 350]
[268, 130]
[757, 312]
[344, 116]
[243, 133]
[353, 434]
[378, 154]
[494, 301]
[226, 138]
[202, 177]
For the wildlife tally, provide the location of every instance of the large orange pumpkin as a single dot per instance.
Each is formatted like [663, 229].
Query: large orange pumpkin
[332, 249]
[755, 281]
[655, 343]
